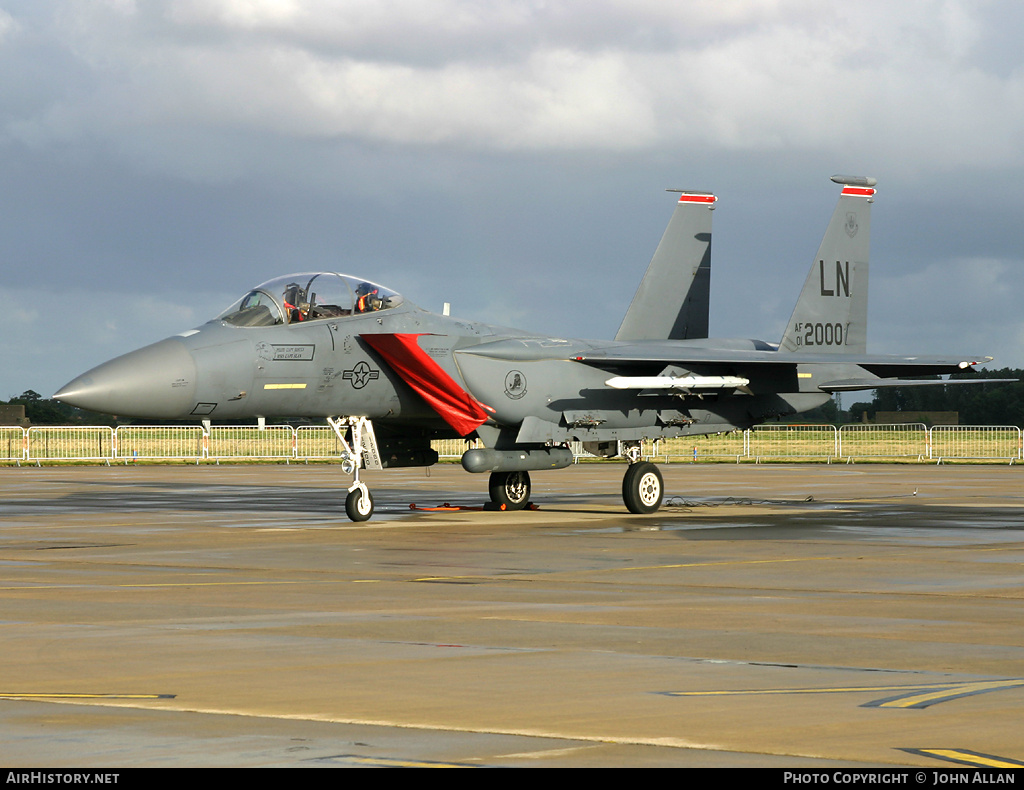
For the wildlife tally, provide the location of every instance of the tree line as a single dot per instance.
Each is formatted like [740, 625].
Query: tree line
[975, 404]
[46, 411]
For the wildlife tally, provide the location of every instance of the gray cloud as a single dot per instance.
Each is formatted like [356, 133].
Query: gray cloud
[506, 157]
[916, 78]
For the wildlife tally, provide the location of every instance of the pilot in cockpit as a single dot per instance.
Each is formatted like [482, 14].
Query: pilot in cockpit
[367, 298]
[295, 303]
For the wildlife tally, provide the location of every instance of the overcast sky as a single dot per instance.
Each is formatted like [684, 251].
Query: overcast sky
[160, 157]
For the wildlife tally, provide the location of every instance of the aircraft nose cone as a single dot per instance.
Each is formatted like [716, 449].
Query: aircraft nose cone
[157, 381]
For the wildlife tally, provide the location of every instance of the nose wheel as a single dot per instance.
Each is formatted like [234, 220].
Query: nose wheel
[359, 503]
[643, 488]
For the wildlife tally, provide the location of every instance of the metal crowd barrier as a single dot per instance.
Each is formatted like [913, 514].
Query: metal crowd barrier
[151, 442]
[13, 444]
[709, 447]
[916, 442]
[272, 441]
[985, 442]
[793, 441]
[884, 441]
[453, 448]
[317, 441]
[70, 443]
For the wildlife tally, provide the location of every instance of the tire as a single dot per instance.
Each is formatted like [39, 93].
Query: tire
[357, 506]
[510, 489]
[643, 488]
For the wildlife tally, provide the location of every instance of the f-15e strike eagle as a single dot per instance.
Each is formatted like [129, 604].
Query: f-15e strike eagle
[390, 377]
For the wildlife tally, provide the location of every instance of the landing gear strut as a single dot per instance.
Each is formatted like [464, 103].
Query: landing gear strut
[511, 490]
[359, 450]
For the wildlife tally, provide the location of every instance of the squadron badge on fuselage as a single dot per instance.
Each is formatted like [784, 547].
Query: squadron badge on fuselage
[515, 384]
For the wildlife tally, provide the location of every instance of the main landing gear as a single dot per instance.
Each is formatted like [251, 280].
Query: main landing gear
[643, 488]
[510, 490]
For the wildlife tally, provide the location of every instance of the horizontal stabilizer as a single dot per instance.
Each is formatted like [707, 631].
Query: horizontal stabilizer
[677, 382]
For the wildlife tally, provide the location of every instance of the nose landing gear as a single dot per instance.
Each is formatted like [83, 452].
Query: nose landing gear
[359, 503]
[359, 450]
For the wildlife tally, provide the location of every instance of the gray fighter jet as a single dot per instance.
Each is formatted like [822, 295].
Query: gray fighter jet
[389, 377]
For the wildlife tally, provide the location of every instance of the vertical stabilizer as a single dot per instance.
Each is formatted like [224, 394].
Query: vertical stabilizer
[673, 298]
[831, 315]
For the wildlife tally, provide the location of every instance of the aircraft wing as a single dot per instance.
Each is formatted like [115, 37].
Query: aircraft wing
[722, 364]
[673, 354]
[852, 385]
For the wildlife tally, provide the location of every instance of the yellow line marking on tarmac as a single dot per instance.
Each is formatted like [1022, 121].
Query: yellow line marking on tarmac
[443, 578]
[384, 762]
[946, 692]
[824, 690]
[33, 588]
[709, 564]
[631, 568]
[928, 693]
[546, 754]
[430, 726]
[31, 695]
[965, 757]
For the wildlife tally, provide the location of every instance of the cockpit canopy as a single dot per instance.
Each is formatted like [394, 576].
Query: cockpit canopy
[309, 297]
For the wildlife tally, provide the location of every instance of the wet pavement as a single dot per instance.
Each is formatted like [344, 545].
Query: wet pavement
[768, 615]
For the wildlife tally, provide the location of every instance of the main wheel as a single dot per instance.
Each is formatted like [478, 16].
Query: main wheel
[359, 504]
[511, 489]
[643, 488]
